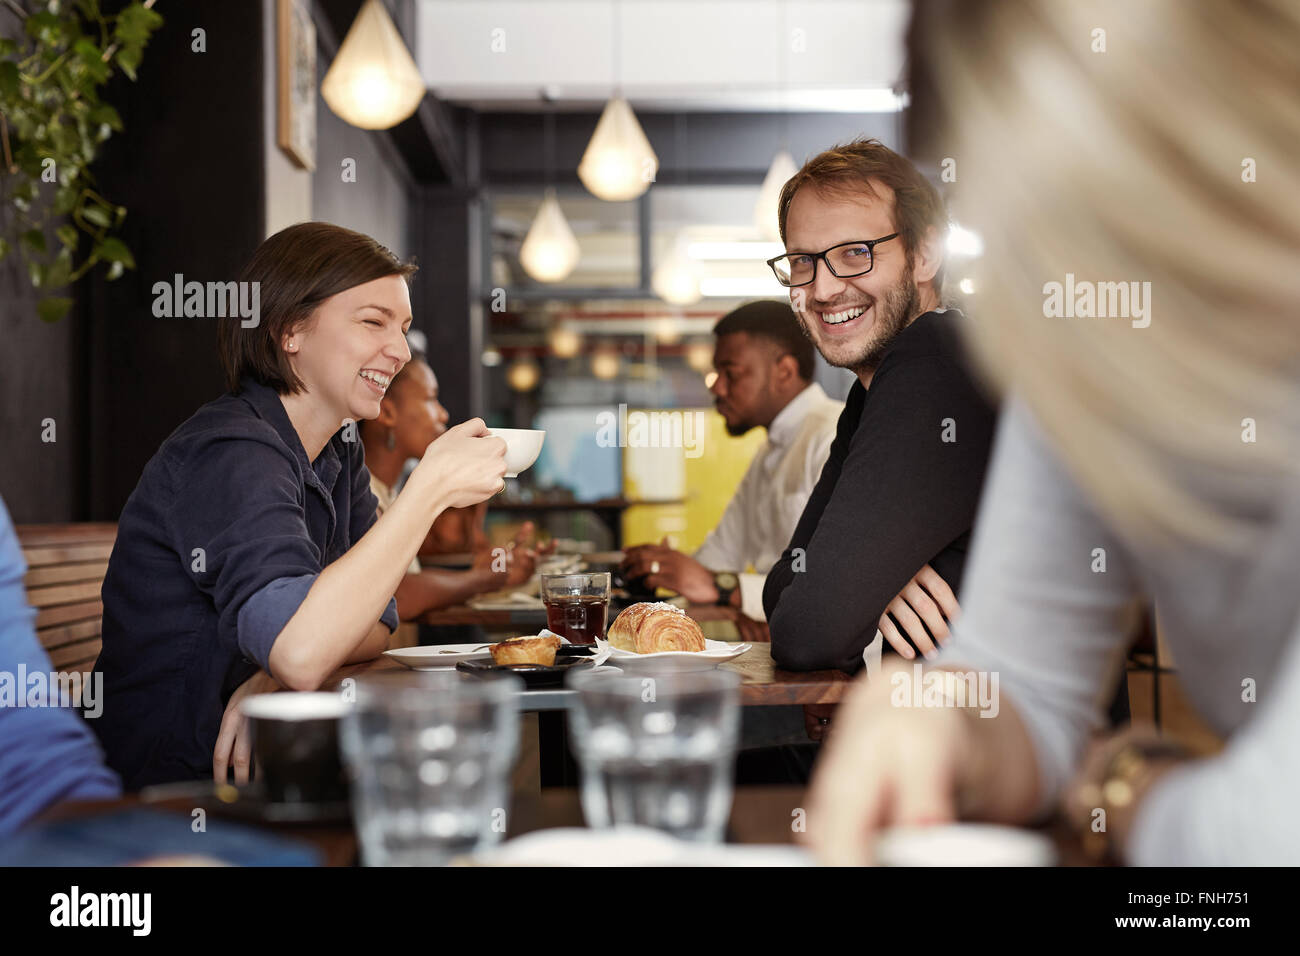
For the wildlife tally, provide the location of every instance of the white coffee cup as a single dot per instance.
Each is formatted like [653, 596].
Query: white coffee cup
[523, 445]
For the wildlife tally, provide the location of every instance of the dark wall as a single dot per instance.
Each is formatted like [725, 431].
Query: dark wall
[189, 168]
[37, 382]
[443, 302]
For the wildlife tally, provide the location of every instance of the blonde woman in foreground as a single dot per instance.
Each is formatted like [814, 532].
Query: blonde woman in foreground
[1149, 444]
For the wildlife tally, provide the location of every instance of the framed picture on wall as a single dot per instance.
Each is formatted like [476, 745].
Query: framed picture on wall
[297, 81]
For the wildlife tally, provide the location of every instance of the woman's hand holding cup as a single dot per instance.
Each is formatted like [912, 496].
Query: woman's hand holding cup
[464, 466]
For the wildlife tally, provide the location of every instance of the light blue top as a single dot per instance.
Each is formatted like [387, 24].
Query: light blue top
[1035, 610]
[47, 753]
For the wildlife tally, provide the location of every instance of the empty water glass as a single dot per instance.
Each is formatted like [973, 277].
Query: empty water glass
[429, 755]
[657, 750]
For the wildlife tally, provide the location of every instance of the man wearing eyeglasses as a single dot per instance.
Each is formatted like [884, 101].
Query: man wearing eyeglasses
[883, 538]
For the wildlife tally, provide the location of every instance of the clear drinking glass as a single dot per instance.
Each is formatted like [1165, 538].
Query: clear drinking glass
[577, 605]
[429, 755]
[657, 750]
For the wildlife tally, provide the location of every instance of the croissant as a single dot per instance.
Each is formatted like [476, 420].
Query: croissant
[648, 628]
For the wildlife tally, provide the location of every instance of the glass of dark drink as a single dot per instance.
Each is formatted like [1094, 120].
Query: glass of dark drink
[577, 605]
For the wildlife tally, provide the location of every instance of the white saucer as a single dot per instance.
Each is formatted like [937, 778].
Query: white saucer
[438, 656]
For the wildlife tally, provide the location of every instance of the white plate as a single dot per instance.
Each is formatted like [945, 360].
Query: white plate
[431, 657]
[518, 601]
[714, 653]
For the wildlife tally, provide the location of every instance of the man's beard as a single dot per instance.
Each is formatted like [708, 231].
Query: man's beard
[901, 303]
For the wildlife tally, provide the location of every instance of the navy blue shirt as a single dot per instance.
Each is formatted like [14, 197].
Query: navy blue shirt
[216, 548]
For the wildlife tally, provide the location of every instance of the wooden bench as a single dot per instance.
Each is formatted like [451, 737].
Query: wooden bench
[65, 570]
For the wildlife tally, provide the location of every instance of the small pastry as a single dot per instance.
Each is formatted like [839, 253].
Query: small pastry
[526, 650]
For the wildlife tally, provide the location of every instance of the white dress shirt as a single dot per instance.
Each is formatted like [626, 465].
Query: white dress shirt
[761, 517]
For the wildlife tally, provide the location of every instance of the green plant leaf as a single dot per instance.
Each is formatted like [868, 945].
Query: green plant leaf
[91, 60]
[65, 199]
[106, 115]
[128, 59]
[115, 250]
[4, 248]
[135, 23]
[34, 240]
[87, 49]
[59, 272]
[53, 308]
[96, 216]
[67, 234]
[9, 79]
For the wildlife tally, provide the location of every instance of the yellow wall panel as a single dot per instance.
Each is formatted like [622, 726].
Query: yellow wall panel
[709, 481]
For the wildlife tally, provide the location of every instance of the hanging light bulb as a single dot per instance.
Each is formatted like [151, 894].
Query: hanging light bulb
[699, 356]
[667, 330]
[550, 250]
[373, 83]
[604, 364]
[677, 280]
[565, 341]
[523, 374]
[766, 214]
[618, 163]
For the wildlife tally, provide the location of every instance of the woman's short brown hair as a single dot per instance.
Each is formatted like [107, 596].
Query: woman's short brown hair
[297, 269]
[854, 168]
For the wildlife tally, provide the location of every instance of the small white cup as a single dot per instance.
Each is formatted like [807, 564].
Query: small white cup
[523, 445]
[964, 844]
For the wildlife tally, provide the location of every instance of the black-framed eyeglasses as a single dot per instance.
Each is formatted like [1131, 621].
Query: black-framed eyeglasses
[847, 260]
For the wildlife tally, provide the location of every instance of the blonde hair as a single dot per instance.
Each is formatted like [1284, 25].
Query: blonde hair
[1130, 162]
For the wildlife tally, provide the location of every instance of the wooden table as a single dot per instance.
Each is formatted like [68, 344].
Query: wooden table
[762, 682]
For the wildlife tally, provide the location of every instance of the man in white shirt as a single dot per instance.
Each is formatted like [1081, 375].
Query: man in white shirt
[764, 368]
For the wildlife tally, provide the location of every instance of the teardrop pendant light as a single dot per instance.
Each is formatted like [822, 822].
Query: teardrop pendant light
[373, 83]
[550, 250]
[619, 163]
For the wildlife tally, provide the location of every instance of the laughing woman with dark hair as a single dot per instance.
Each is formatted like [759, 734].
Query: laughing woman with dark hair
[249, 555]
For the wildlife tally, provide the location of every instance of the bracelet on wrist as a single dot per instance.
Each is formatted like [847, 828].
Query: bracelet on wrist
[1116, 791]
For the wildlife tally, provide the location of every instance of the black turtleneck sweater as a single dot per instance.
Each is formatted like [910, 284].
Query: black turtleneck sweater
[899, 490]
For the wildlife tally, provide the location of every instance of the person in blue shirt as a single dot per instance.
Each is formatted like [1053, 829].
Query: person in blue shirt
[47, 753]
[249, 556]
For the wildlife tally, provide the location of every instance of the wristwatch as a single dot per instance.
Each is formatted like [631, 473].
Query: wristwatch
[726, 582]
